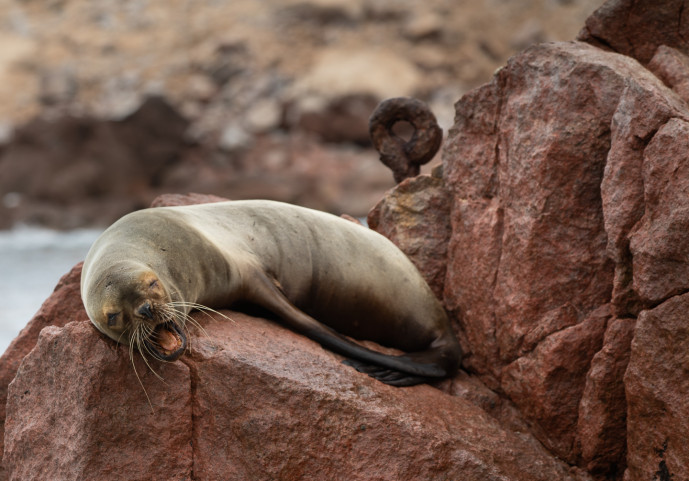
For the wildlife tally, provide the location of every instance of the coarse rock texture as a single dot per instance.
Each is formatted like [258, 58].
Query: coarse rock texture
[657, 384]
[252, 400]
[567, 180]
[404, 217]
[554, 234]
[602, 419]
[62, 307]
[638, 28]
[83, 390]
[272, 97]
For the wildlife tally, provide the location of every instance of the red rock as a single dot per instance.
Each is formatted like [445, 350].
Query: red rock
[286, 399]
[643, 108]
[76, 410]
[527, 197]
[63, 306]
[672, 67]
[546, 166]
[473, 259]
[636, 28]
[527, 258]
[547, 384]
[415, 216]
[657, 389]
[658, 243]
[255, 402]
[603, 408]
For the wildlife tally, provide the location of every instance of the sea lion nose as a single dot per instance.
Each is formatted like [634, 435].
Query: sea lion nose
[145, 311]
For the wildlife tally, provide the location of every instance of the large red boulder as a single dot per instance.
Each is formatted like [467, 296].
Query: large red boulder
[566, 178]
[252, 400]
[77, 409]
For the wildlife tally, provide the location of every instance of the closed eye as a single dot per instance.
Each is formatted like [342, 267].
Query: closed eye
[112, 319]
[153, 284]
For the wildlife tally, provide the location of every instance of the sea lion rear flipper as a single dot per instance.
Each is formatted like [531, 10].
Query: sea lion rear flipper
[387, 376]
[264, 292]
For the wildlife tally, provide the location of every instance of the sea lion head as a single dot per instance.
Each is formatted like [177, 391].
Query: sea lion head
[131, 304]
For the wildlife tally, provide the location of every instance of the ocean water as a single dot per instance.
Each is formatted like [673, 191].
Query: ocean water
[32, 260]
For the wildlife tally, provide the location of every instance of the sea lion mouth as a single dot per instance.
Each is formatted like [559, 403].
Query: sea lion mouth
[167, 342]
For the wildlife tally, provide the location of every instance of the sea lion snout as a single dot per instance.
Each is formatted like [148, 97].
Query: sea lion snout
[145, 310]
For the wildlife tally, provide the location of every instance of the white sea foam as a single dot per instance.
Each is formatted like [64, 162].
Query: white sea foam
[32, 260]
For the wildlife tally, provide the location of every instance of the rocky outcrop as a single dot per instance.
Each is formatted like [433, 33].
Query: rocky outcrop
[60, 164]
[554, 234]
[566, 182]
[251, 400]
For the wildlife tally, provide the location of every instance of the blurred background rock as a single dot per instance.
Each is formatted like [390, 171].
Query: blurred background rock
[106, 104]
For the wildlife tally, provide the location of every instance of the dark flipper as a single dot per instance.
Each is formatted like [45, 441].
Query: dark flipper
[412, 369]
[387, 376]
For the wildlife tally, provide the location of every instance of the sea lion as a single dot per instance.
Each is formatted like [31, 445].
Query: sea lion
[321, 275]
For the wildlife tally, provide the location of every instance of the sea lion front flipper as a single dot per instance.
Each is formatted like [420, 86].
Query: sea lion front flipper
[264, 292]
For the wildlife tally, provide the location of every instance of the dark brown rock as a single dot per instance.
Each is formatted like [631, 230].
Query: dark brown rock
[55, 166]
[657, 389]
[340, 119]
